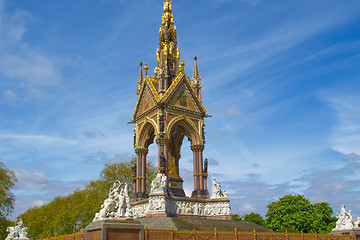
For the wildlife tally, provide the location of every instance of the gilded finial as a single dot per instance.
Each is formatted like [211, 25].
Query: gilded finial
[146, 69]
[155, 72]
[182, 66]
[140, 63]
[167, 6]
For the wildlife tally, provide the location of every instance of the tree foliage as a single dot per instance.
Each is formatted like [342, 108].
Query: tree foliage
[255, 218]
[295, 213]
[7, 182]
[236, 217]
[75, 211]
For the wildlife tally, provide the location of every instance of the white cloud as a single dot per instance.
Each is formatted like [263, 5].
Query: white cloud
[9, 94]
[30, 180]
[43, 139]
[345, 135]
[38, 203]
[20, 60]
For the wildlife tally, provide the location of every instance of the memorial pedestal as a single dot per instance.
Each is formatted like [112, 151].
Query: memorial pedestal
[353, 231]
[114, 230]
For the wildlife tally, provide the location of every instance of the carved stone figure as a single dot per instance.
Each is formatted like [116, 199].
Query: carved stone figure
[17, 232]
[345, 220]
[162, 163]
[158, 185]
[357, 222]
[117, 205]
[206, 166]
[216, 190]
[161, 123]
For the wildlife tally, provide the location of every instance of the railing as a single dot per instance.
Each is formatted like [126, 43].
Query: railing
[151, 234]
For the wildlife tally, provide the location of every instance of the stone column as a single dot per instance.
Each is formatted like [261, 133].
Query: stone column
[201, 177]
[162, 148]
[196, 180]
[200, 190]
[143, 172]
[140, 182]
[137, 179]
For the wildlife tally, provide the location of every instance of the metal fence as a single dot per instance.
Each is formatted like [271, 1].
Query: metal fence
[151, 234]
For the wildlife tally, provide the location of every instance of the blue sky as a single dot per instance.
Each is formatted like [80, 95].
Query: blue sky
[281, 80]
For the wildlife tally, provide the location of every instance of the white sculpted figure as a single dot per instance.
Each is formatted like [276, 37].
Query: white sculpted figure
[17, 232]
[216, 190]
[116, 205]
[345, 220]
[158, 185]
[357, 222]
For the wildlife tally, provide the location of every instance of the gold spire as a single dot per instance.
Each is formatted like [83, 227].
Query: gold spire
[167, 34]
[168, 53]
[196, 76]
[196, 80]
[182, 66]
[140, 80]
[146, 69]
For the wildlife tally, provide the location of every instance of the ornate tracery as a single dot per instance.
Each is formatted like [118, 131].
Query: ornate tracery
[169, 109]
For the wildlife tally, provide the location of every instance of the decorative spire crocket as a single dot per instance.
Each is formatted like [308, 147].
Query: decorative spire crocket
[196, 80]
[168, 53]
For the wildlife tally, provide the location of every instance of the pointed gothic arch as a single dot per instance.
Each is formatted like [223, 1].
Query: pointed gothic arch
[147, 134]
[189, 127]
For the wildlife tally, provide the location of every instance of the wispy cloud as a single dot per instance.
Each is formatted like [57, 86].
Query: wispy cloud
[20, 60]
[345, 135]
[43, 139]
[340, 181]
[34, 189]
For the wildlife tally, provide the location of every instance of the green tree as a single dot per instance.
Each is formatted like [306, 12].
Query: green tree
[295, 213]
[236, 217]
[75, 211]
[322, 220]
[123, 172]
[7, 182]
[255, 218]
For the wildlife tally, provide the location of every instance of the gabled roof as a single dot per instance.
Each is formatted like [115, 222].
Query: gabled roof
[147, 98]
[181, 94]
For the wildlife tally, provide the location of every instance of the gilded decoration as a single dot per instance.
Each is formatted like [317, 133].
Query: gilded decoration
[195, 122]
[173, 170]
[187, 124]
[182, 83]
[182, 99]
[147, 98]
[168, 108]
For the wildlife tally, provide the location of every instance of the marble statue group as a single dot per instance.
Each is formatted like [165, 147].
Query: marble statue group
[346, 221]
[18, 232]
[117, 205]
[216, 190]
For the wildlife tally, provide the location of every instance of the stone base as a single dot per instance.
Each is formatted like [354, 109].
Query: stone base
[137, 196]
[207, 217]
[160, 205]
[354, 231]
[201, 194]
[112, 229]
[176, 192]
[188, 224]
